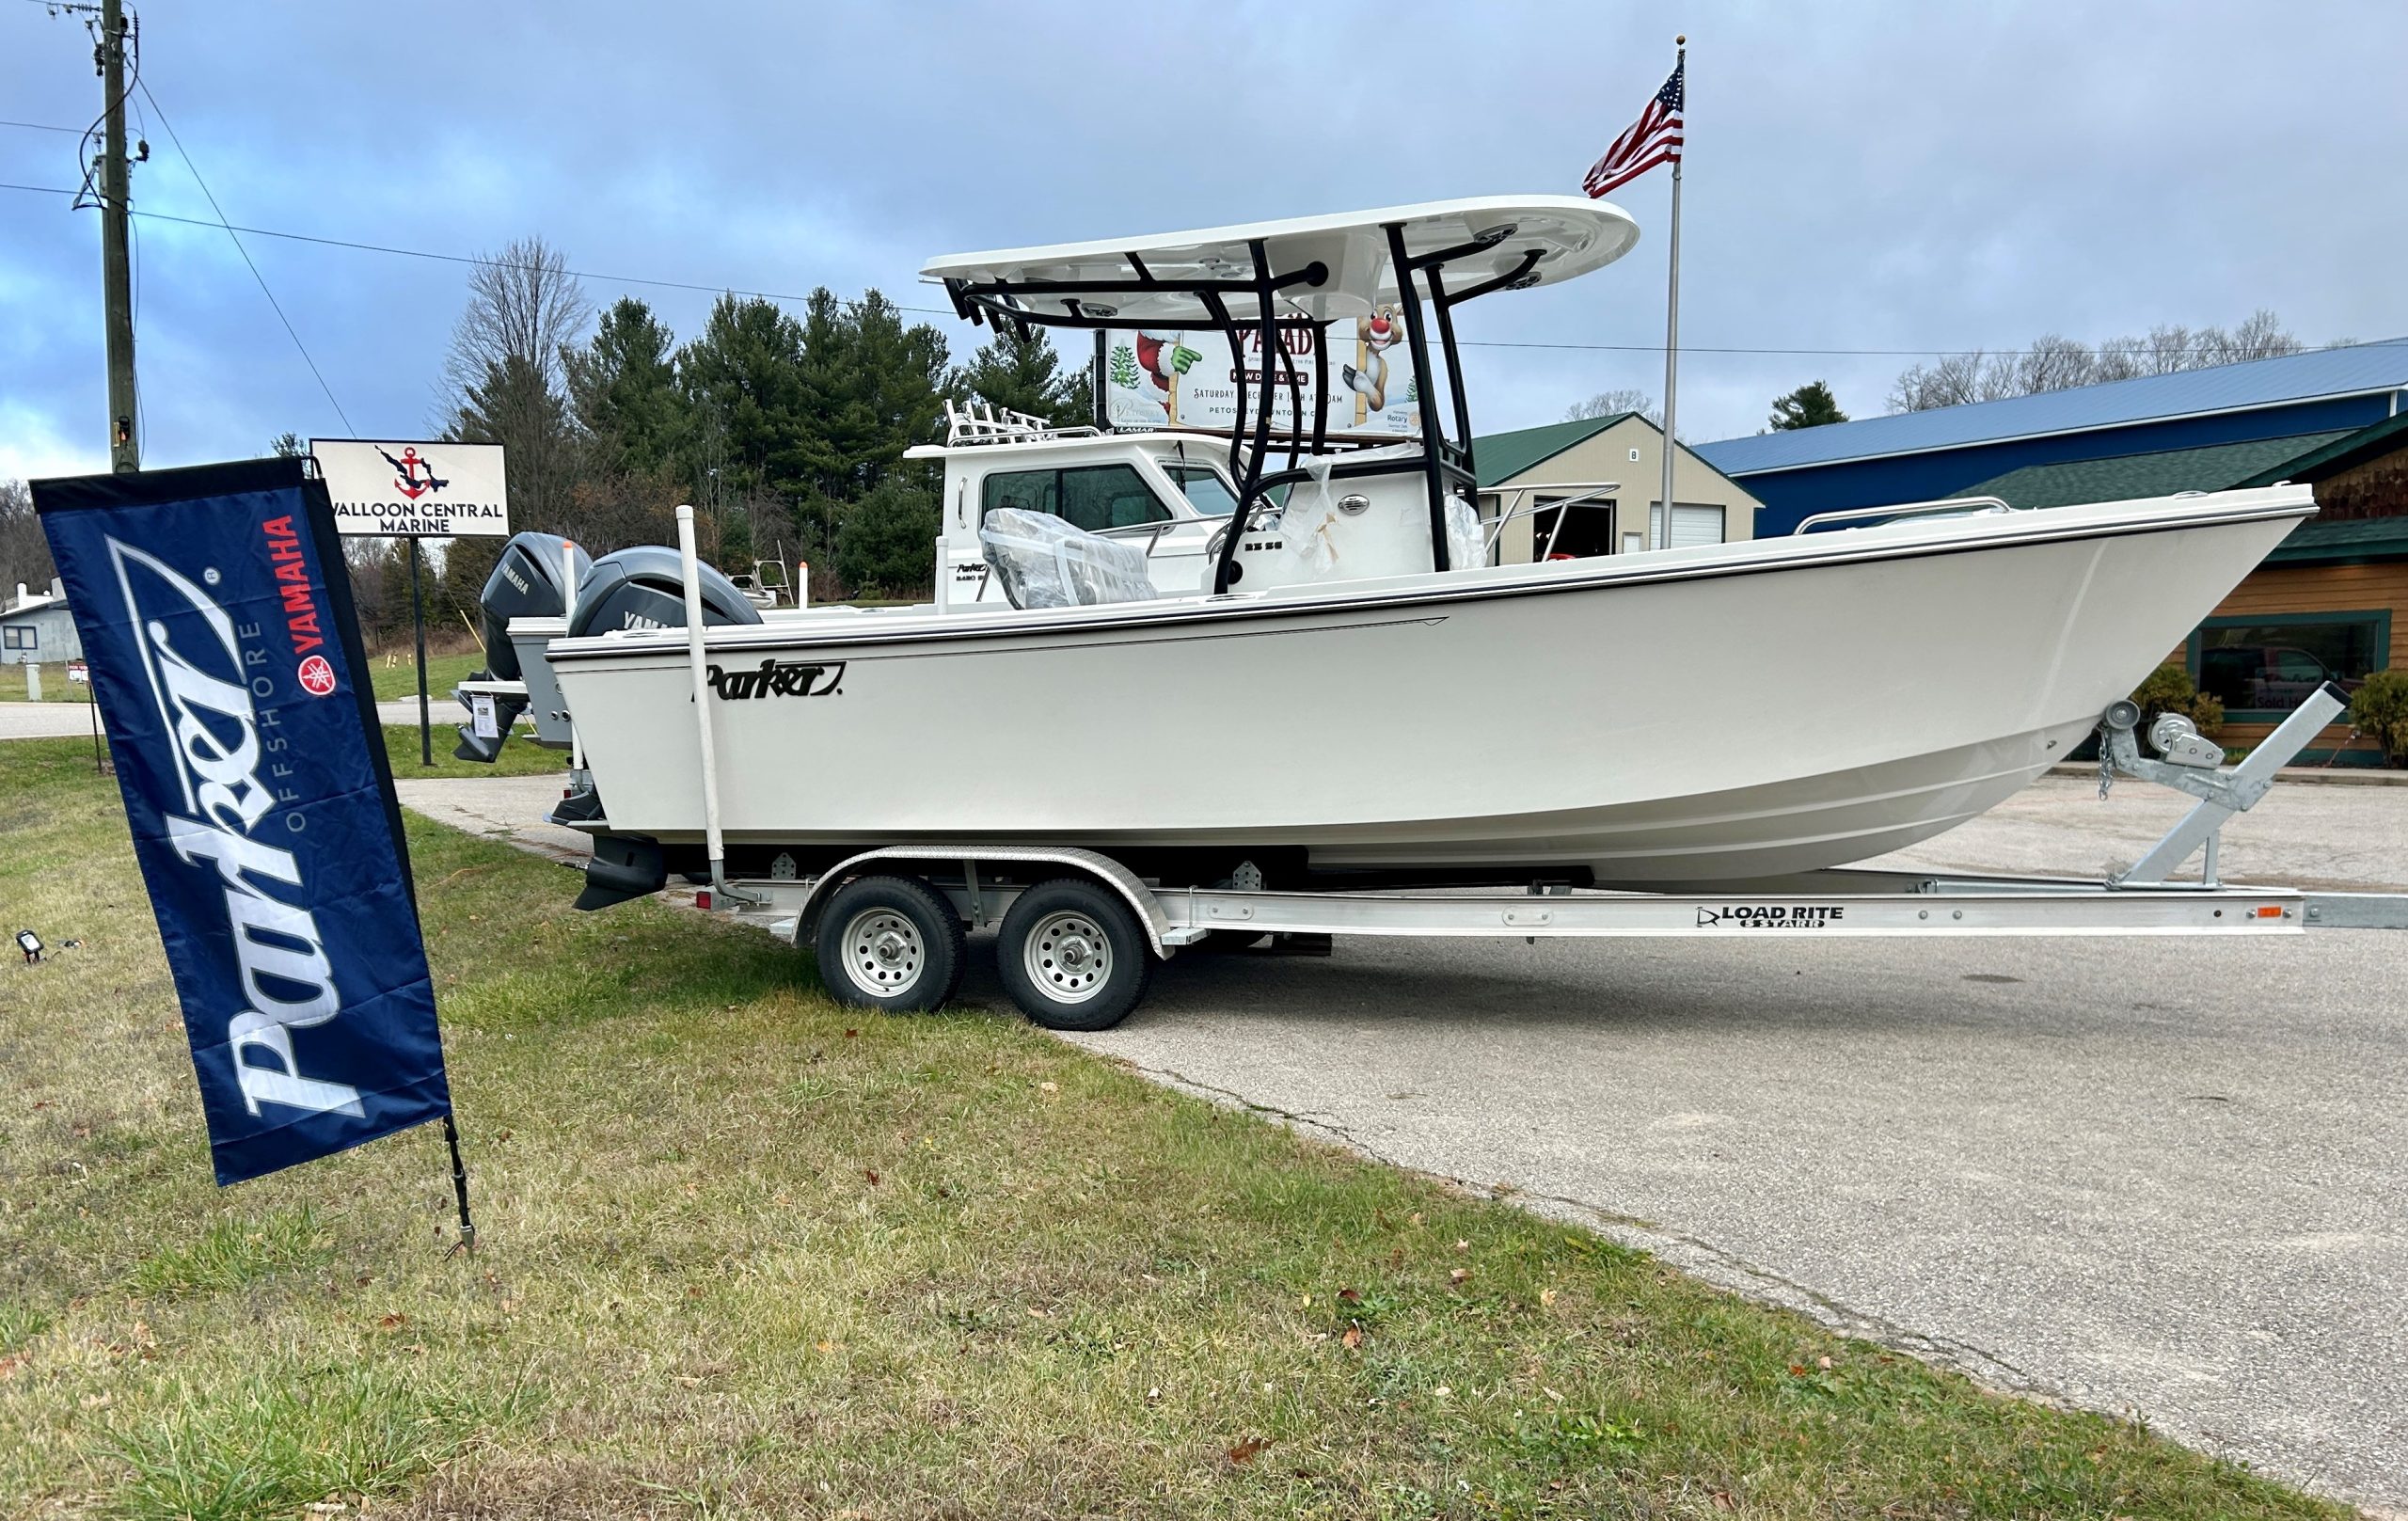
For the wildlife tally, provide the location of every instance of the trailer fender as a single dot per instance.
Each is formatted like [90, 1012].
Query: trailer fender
[1087, 863]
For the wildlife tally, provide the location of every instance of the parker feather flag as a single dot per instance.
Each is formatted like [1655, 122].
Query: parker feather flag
[217, 619]
[1654, 138]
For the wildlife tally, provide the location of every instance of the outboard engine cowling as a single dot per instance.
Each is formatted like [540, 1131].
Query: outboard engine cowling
[645, 588]
[526, 583]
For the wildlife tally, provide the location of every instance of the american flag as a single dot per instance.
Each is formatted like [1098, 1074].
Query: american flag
[1654, 138]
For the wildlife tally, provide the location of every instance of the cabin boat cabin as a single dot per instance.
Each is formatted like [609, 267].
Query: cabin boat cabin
[1169, 496]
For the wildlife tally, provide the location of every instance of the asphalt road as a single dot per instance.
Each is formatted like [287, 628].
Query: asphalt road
[51, 720]
[2166, 1178]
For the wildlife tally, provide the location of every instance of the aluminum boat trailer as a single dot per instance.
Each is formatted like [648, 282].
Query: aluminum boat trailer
[1078, 932]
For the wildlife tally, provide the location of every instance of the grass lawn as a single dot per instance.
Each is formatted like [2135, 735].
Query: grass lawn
[395, 675]
[55, 687]
[748, 1253]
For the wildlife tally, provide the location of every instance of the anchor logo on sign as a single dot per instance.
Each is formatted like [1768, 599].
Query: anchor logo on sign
[410, 464]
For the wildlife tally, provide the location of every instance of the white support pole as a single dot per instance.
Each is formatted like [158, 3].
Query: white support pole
[1662, 537]
[691, 569]
[568, 620]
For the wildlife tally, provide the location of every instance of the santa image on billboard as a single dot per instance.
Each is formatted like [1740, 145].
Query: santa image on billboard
[1162, 357]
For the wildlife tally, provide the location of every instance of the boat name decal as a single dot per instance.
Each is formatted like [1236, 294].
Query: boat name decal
[1771, 916]
[777, 678]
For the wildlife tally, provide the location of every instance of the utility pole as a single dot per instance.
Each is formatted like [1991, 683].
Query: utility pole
[117, 284]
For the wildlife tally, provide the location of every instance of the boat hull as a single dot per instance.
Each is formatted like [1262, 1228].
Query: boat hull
[1726, 713]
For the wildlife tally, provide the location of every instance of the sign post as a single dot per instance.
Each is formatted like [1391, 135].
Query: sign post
[226, 661]
[413, 491]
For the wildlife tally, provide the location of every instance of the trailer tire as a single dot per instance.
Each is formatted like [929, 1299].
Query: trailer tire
[1072, 956]
[890, 942]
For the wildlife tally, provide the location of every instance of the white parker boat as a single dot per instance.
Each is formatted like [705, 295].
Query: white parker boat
[1345, 689]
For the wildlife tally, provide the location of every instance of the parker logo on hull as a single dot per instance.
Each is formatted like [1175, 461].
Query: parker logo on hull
[1770, 916]
[203, 687]
[775, 678]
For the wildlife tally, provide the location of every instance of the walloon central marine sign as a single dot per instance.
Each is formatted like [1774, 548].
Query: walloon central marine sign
[422, 489]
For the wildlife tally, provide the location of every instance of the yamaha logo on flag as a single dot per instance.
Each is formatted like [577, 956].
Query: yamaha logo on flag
[261, 813]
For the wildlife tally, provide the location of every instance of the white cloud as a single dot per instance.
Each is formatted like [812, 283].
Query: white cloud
[32, 445]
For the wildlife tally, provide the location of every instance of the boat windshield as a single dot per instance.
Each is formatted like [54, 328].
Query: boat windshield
[1204, 489]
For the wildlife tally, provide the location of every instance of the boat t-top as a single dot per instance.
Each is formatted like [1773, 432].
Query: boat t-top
[1279, 661]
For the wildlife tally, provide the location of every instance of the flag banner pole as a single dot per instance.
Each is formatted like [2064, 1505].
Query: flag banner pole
[225, 655]
[1662, 537]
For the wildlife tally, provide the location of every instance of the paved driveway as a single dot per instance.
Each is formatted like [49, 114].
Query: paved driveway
[2163, 1177]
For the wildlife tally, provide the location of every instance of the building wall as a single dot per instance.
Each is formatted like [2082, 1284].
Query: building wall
[53, 630]
[1789, 496]
[1605, 455]
[2273, 593]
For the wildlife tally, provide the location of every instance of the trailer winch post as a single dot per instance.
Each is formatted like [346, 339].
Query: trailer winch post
[2221, 791]
[689, 570]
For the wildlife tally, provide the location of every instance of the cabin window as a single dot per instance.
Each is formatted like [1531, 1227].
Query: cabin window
[21, 638]
[2266, 666]
[1204, 489]
[1027, 491]
[1094, 498]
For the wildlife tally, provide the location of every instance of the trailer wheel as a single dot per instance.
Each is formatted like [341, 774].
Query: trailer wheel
[890, 942]
[1071, 956]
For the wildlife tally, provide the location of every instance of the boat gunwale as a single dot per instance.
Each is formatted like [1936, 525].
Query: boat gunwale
[1887, 542]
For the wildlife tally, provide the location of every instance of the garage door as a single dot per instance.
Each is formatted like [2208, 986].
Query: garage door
[1692, 524]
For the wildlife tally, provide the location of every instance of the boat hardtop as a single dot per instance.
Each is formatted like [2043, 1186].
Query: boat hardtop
[1324, 267]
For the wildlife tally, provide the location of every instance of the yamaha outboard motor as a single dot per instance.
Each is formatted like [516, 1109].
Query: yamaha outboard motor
[645, 588]
[526, 583]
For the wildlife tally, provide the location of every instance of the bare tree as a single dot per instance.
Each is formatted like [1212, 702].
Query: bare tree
[504, 378]
[1951, 380]
[1607, 404]
[24, 553]
[2054, 362]
[2261, 336]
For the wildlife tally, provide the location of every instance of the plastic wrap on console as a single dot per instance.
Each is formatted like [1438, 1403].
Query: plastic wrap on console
[1044, 561]
[1467, 545]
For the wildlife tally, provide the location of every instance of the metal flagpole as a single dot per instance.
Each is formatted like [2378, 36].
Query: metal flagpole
[1660, 537]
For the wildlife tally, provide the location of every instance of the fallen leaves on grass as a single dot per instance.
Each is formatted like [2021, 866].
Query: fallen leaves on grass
[1245, 1451]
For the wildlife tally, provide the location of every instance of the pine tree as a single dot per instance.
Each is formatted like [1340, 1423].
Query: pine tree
[1810, 405]
[622, 389]
[1026, 374]
[741, 378]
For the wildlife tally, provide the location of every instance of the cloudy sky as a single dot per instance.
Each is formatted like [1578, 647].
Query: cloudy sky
[1861, 176]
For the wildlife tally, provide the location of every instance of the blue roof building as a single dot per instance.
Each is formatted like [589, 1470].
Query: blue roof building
[1919, 456]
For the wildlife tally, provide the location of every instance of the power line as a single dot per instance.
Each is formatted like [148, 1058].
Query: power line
[43, 126]
[947, 311]
[272, 301]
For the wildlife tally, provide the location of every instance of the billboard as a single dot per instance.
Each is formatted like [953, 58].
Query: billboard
[415, 490]
[1188, 378]
[226, 661]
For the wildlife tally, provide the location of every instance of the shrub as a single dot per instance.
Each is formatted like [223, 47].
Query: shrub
[2380, 710]
[2170, 689]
